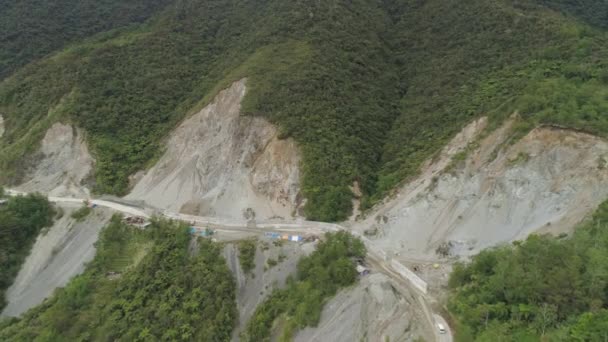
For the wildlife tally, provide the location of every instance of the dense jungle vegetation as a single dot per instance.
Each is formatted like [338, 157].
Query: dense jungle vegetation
[21, 219]
[541, 289]
[590, 11]
[319, 277]
[141, 286]
[369, 89]
[31, 29]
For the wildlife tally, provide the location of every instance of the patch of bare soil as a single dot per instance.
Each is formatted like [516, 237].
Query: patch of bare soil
[219, 163]
[546, 182]
[63, 164]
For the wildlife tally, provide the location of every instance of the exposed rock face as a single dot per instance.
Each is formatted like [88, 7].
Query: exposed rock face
[219, 163]
[253, 288]
[63, 164]
[1, 126]
[56, 257]
[546, 182]
[372, 311]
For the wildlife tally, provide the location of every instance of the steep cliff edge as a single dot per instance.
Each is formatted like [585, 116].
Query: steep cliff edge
[496, 192]
[219, 163]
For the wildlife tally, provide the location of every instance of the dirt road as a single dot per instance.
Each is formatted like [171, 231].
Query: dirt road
[447, 335]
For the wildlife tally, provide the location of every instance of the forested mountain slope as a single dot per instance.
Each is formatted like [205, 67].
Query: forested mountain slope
[369, 89]
[591, 11]
[142, 285]
[544, 288]
[21, 220]
[30, 29]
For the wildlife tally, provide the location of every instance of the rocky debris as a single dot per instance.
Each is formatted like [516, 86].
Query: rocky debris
[134, 220]
[56, 257]
[502, 191]
[137, 221]
[62, 165]
[274, 262]
[219, 163]
[373, 310]
[356, 201]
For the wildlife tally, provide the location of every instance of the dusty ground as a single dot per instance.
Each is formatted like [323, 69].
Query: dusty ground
[436, 275]
[373, 310]
[253, 288]
[548, 181]
[219, 163]
[63, 164]
[56, 257]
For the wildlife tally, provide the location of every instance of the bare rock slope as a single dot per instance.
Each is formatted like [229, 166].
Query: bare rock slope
[62, 166]
[254, 287]
[373, 310]
[56, 257]
[219, 163]
[546, 182]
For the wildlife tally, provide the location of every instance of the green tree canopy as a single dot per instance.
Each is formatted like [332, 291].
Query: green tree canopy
[542, 287]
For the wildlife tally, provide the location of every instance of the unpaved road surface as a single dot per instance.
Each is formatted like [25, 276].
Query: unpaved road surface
[447, 336]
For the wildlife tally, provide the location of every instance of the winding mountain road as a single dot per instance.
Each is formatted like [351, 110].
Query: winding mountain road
[405, 278]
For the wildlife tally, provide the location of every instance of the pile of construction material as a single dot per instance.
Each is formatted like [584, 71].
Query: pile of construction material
[204, 232]
[288, 237]
[137, 221]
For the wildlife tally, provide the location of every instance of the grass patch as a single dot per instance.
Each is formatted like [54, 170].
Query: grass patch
[82, 213]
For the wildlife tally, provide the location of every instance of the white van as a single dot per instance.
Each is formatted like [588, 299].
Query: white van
[441, 328]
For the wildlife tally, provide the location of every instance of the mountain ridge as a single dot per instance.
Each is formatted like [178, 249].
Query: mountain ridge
[368, 93]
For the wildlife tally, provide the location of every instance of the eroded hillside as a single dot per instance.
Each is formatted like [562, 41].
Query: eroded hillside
[57, 256]
[368, 90]
[62, 165]
[485, 189]
[220, 163]
[273, 264]
[373, 310]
